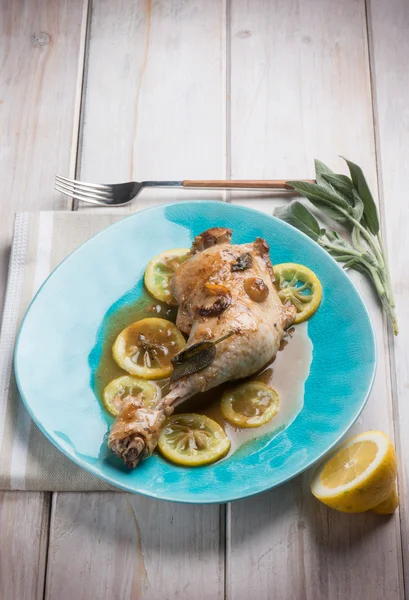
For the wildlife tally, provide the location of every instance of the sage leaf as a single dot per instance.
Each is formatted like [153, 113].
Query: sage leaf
[340, 243]
[321, 170]
[349, 201]
[242, 263]
[359, 208]
[328, 200]
[341, 183]
[297, 215]
[370, 212]
[322, 175]
[195, 358]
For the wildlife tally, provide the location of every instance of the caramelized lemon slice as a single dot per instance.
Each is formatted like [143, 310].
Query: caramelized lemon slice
[193, 440]
[125, 386]
[160, 271]
[250, 404]
[360, 475]
[300, 286]
[146, 348]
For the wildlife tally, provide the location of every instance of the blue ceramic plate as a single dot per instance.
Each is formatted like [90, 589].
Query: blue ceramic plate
[60, 338]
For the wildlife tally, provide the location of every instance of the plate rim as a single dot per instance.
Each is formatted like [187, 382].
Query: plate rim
[93, 470]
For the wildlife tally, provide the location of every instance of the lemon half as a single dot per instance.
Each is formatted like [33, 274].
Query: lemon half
[359, 475]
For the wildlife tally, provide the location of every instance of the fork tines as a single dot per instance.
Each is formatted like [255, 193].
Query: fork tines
[88, 192]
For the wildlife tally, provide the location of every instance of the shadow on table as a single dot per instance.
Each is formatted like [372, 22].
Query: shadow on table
[285, 520]
[290, 520]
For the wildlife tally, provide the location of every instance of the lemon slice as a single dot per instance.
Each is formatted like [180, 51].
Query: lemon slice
[193, 440]
[300, 286]
[359, 475]
[146, 348]
[250, 404]
[160, 271]
[125, 386]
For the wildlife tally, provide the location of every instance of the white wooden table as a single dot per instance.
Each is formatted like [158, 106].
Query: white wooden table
[173, 89]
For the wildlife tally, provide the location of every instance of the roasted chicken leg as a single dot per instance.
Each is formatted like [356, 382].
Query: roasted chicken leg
[224, 292]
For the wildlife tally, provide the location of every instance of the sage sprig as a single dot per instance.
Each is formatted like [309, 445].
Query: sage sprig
[349, 201]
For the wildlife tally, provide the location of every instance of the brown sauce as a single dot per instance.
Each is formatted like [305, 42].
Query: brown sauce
[286, 374]
[144, 307]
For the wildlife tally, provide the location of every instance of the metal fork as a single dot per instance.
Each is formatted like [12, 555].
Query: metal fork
[118, 194]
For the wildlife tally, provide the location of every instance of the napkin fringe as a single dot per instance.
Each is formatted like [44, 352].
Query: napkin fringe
[10, 313]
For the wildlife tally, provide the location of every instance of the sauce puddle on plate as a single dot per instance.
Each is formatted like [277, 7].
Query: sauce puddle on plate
[287, 374]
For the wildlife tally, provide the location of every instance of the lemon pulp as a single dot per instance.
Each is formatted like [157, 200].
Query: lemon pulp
[192, 440]
[160, 271]
[146, 348]
[250, 404]
[300, 286]
[122, 387]
[359, 476]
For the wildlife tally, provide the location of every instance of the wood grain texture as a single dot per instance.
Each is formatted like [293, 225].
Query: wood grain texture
[147, 114]
[275, 184]
[124, 547]
[24, 518]
[176, 89]
[300, 88]
[158, 111]
[40, 51]
[389, 45]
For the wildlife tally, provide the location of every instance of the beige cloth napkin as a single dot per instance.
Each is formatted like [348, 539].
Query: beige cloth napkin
[28, 461]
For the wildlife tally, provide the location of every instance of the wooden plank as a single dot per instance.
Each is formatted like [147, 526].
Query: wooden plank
[151, 115]
[41, 47]
[300, 88]
[148, 114]
[132, 547]
[40, 52]
[389, 47]
[24, 518]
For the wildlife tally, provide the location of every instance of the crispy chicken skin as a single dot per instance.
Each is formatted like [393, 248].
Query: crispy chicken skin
[221, 289]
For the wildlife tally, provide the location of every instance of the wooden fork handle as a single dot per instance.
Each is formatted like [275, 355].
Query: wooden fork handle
[275, 184]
